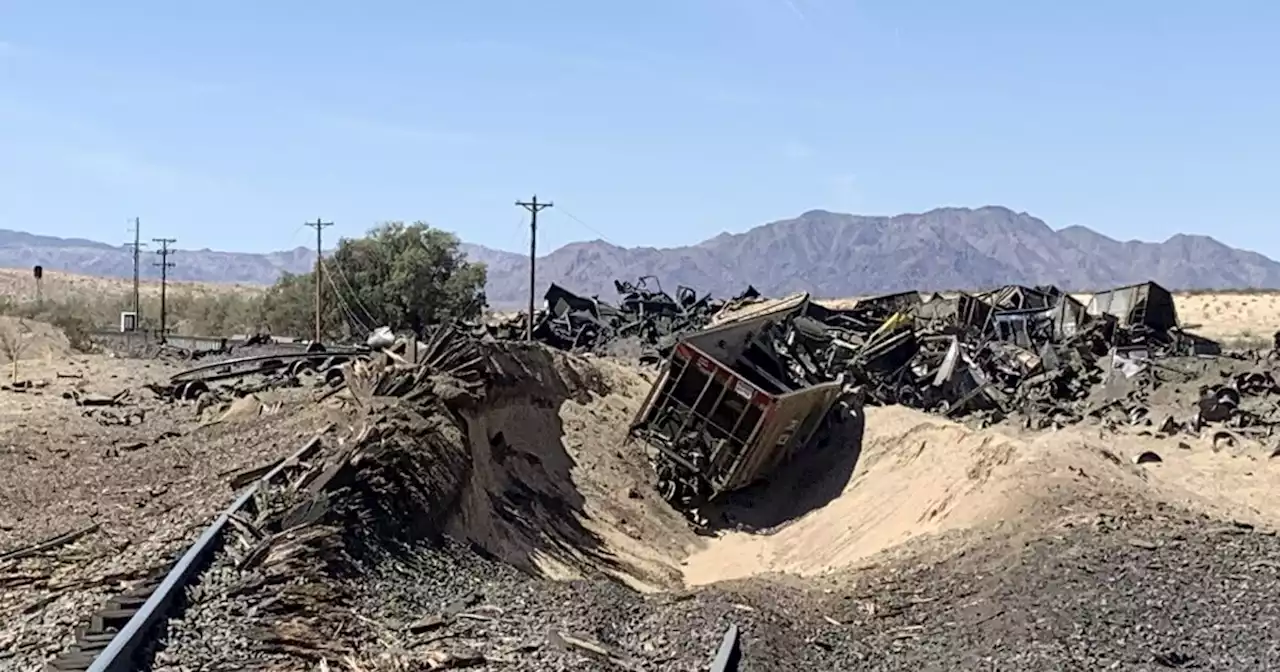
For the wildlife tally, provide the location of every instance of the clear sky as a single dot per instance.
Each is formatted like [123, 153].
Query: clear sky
[657, 122]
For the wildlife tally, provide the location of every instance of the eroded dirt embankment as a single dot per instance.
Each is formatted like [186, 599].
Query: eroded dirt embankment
[554, 486]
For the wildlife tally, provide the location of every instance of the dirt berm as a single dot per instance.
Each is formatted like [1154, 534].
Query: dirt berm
[554, 486]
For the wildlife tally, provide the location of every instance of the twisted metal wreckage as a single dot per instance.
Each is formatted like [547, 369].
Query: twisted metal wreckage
[645, 315]
[741, 397]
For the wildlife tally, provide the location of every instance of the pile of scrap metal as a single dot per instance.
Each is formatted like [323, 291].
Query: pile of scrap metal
[1241, 408]
[645, 315]
[739, 398]
[1030, 350]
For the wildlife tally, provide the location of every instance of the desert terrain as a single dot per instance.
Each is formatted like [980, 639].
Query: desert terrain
[19, 285]
[918, 543]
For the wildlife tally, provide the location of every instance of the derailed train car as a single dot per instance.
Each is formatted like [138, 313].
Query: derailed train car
[724, 411]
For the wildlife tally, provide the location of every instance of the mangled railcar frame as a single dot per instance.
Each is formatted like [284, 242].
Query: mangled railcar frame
[723, 413]
[1147, 317]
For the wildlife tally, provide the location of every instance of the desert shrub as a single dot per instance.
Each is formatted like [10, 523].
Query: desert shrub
[74, 317]
[404, 276]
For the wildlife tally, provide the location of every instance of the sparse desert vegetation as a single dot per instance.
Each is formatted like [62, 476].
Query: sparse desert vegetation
[80, 304]
[361, 293]
[1247, 318]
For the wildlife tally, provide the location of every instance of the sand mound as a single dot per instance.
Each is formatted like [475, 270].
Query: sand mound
[921, 475]
[518, 450]
[34, 340]
[554, 488]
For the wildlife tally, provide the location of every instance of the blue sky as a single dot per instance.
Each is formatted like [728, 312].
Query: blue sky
[663, 122]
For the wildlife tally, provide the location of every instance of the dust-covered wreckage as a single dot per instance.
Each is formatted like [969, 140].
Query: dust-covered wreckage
[725, 408]
[763, 382]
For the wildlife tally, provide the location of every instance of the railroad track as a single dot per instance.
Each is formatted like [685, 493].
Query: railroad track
[122, 635]
[119, 636]
[193, 382]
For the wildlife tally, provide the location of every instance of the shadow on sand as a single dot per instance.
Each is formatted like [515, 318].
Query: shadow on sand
[806, 483]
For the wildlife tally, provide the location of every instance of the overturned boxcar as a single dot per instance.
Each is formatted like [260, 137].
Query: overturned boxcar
[724, 411]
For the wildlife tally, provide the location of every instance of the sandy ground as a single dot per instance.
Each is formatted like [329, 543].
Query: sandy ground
[1243, 316]
[919, 475]
[19, 284]
[555, 485]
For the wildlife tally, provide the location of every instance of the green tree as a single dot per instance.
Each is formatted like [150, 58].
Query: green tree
[402, 276]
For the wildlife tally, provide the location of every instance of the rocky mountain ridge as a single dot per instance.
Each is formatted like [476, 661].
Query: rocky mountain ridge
[826, 253]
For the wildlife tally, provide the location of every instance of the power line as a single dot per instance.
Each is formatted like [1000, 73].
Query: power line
[346, 307]
[164, 265]
[351, 289]
[534, 207]
[585, 225]
[318, 225]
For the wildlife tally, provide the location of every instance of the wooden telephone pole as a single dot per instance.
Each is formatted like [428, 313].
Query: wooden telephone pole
[164, 265]
[318, 225]
[534, 207]
[137, 246]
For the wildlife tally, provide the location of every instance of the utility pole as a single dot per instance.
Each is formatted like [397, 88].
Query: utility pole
[164, 265]
[534, 207]
[318, 226]
[137, 247]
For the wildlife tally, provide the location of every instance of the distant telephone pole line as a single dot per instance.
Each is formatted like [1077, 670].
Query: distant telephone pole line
[164, 265]
[534, 207]
[137, 247]
[318, 225]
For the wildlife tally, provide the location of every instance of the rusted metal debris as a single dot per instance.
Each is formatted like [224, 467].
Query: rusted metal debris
[644, 315]
[734, 401]
[1027, 350]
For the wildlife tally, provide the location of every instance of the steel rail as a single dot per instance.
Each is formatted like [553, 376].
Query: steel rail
[119, 654]
[729, 657]
[187, 375]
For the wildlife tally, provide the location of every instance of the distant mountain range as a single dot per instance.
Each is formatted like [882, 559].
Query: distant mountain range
[828, 254]
[77, 255]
